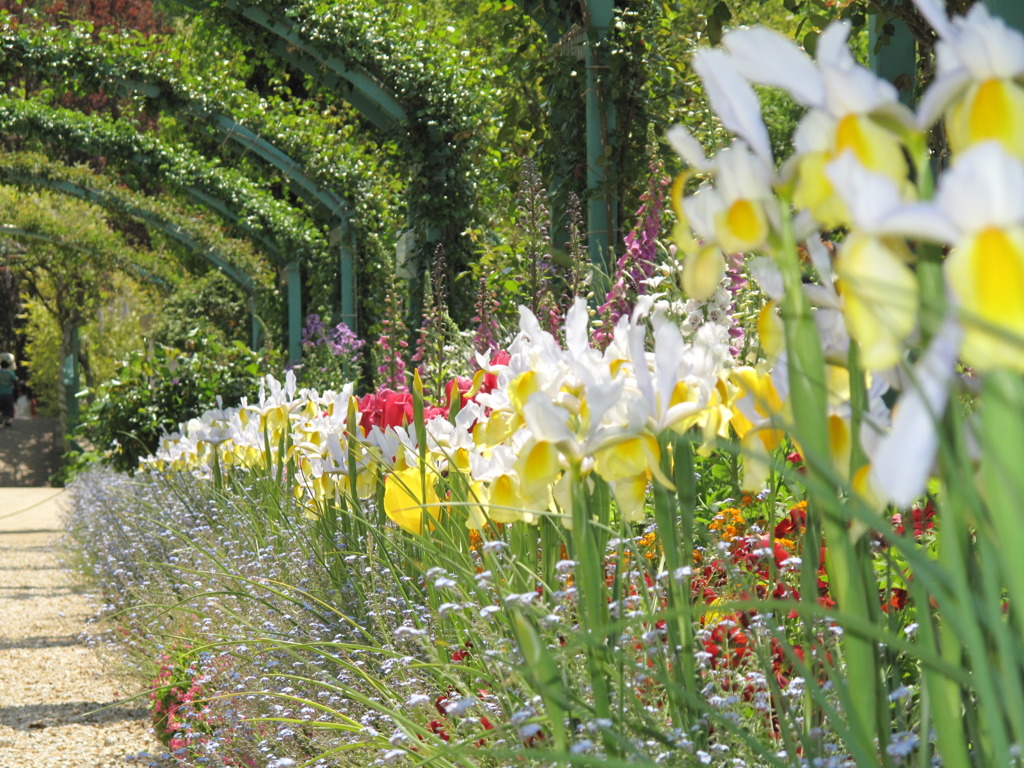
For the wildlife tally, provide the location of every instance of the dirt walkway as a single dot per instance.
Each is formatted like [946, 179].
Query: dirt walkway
[29, 453]
[50, 682]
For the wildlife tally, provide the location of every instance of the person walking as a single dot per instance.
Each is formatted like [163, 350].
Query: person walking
[8, 385]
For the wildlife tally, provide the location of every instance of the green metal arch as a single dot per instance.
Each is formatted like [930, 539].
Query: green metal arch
[21, 233]
[285, 236]
[433, 132]
[349, 80]
[172, 230]
[78, 57]
[263, 219]
[75, 56]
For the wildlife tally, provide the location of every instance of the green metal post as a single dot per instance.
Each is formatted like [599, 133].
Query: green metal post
[601, 207]
[293, 275]
[1011, 10]
[341, 238]
[256, 332]
[72, 380]
[896, 61]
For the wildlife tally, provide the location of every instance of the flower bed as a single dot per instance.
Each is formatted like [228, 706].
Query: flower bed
[633, 544]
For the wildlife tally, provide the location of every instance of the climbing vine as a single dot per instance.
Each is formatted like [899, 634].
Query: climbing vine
[435, 119]
[198, 236]
[321, 151]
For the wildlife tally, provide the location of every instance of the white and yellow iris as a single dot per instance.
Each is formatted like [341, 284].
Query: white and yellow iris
[979, 84]
[851, 110]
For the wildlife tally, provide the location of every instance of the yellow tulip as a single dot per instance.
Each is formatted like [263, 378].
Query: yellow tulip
[407, 494]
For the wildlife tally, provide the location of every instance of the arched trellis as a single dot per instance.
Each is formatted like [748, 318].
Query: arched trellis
[283, 234]
[110, 201]
[22, 233]
[70, 369]
[432, 130]
[120, 202]
[434, 127]
[76, 57]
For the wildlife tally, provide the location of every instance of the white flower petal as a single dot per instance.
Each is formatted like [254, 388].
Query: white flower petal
[876, 207]
[734, 101]
[814, 133]
[903, 462]
[987, 46]
[768, 276]
[868, 196]
[984, 188]
[919, 221]
[740, 176]
[934, 12]
[859, 91]
[943, 90]
[688, 148]
[767, 57]
[821, 258]
[547, 422]
[577, 321]
[700, 209]
[832, 48]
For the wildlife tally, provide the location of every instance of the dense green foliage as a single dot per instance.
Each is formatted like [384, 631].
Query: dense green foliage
[157, 389]
[212, 308]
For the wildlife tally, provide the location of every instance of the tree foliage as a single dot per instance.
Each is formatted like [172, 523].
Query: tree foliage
[154, 391]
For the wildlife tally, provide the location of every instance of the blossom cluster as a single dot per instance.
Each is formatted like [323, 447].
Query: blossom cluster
[861, 165]
[533, 421]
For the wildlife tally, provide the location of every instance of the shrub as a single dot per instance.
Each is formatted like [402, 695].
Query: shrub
[156, 390]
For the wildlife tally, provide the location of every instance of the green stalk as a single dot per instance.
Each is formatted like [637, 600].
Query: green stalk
[544, 675]
[944, 695]
[958, 556]
[808, 400]
[594, 616]
[1002, 440]
[680, 607]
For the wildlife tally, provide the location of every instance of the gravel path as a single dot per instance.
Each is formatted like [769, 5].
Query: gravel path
[51, 684]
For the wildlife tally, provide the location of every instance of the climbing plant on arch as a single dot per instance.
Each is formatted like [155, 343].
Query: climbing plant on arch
[286, 236]
[318, 165]
[404, 87]
[66, 262]
[109, 197]
[188, 228]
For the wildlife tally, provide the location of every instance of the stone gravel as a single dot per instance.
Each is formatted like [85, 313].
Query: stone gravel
[58, 706]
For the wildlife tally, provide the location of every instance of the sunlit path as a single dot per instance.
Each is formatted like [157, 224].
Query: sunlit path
[29, 455]
[51, 683]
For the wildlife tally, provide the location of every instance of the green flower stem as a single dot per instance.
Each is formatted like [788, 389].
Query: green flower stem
[1002, 439]
[525, 545]
[970, 644]
[858, 407]
[677, 462]
[550, 550]
[594, 619]
[218, 479]
[545, 677]
[808, 399]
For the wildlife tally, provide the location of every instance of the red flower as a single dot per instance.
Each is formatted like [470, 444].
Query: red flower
[491, 379]
[388, 408]
[797, 461]
[897, 600]
[437, 727]
[921, 520]
[434, 412]
[794, 522]
[463, 385]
